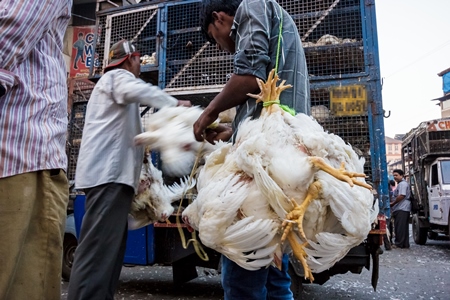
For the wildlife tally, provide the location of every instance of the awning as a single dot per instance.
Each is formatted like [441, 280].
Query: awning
[443, 98]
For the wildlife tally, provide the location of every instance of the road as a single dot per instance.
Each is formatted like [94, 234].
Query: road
[421, 272]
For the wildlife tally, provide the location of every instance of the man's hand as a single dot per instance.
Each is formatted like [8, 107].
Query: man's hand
[205, 119]
[2, 90]
[185, 103]
[220, 133]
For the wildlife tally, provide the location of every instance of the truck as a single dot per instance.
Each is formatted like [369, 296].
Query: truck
[426, 161]
[341, 49]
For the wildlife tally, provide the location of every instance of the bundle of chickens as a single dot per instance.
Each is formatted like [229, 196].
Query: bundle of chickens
[284, 185]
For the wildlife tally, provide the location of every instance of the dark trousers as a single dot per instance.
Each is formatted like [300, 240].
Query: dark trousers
[101, 247]
[266, 283]
[401, 227]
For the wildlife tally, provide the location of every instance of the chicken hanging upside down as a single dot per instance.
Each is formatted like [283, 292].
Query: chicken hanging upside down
[153, 201]
[285, 178]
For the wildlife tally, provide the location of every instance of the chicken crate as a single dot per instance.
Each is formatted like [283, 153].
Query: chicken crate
[331, 32]
[79, 92]
[136, 23]
[336, 38]
[332, 35]
[74, 134]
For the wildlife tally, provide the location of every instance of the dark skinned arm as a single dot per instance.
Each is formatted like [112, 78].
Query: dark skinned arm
[398, 199]
[234, 93]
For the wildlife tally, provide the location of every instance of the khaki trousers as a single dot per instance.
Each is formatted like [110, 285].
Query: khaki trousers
[32, 219]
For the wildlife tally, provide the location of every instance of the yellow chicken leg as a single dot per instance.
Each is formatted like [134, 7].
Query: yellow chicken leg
[270, 92]
[341, 173]
[300, 254]
[298, 212]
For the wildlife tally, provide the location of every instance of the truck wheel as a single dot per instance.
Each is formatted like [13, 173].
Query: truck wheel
[296, 283]
[69, 246]
[419, 234]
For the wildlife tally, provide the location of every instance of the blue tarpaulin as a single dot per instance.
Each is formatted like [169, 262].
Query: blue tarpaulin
[446, 82]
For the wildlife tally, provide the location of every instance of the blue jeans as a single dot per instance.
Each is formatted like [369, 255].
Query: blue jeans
[266, 283]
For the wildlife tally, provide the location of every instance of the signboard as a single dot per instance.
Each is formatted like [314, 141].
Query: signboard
[82, 57]
[439, 125]
[348, 100]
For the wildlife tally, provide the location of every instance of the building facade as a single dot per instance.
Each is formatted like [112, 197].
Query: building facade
[393, 154]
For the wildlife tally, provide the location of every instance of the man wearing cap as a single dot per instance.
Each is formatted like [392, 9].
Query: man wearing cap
[108, 170]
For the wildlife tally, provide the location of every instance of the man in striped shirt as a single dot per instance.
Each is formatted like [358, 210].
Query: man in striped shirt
[33, 125]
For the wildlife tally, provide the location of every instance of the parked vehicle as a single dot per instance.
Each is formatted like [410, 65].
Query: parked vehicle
[69, 245]
[340, 42]
[426, 160]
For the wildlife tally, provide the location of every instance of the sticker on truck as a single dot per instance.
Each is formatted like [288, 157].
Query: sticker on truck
[348, 100]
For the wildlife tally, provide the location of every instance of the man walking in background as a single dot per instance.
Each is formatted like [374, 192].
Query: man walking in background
[401, 207]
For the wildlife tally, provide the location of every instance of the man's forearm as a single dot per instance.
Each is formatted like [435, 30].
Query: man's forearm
[398, 199]
[234, 93]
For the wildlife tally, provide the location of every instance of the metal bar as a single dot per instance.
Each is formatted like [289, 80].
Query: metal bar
[320, 20]
[112, 3]
[188, 64]
[107, 41]
[143, 26]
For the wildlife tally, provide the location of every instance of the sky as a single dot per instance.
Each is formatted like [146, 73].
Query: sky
[414, 46]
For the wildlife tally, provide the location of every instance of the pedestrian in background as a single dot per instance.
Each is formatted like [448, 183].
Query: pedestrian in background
[33, 125]
[250, 30]
[401, 207]
[387, 212]
[108, 169]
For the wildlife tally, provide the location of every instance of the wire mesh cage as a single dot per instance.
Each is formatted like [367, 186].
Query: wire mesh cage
[332, 36]
[139, 25]
[351, 125]
[192, 63]
[79, 92]
[75, 131]
[331, 32]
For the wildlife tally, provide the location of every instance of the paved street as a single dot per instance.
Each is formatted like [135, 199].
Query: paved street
[421, 272]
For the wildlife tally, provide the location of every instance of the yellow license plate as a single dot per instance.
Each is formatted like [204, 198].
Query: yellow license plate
[348, 100]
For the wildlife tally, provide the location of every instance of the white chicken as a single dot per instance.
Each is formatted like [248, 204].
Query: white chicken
[153, 201]
[169, 131]
[281, 173]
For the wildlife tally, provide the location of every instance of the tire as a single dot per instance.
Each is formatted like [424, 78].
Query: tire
[69, 246]
[296, 283]
[420, 234]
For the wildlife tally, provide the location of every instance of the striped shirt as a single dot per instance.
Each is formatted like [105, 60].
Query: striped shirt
[33, 112]
[255, 30]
